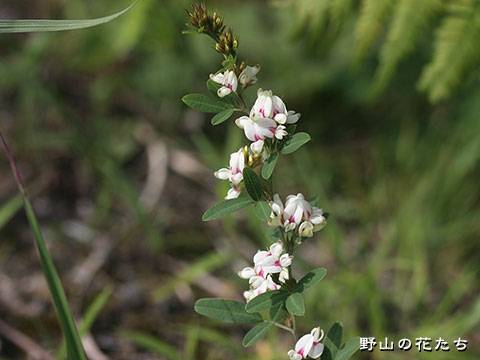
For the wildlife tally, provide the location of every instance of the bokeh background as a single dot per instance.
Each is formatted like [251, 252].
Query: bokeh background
[120, 172]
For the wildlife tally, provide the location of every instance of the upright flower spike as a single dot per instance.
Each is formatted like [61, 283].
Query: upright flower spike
[308, 345]
[229, 81]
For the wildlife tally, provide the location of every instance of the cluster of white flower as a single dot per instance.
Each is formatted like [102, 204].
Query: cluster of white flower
[297, 212]
[229, 80]
[266, 120]
[266, 263]
[308, 345]
[234, 174]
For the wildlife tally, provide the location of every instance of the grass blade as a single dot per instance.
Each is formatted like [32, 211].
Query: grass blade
[69, 330]
[24, 26]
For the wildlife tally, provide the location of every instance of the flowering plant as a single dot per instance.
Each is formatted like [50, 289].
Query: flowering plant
[271, 130]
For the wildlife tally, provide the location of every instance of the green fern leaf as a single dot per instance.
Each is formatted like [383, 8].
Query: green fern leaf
[339, 10]
[455, 50]
[369, 24]
[410, 18]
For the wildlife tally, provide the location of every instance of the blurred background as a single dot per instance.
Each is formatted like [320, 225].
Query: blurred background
[120, 172]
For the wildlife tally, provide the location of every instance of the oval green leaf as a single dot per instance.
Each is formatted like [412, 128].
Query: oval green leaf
[295, 304]
[269, 166]
[310, 279]
[266, 300]
[226, 207]
[333, 340]
[252, 184]
[222, 116]
[226, 310]
[294, 142]
[24, 26]
[350, 347]
[257, 333]
[205, 103]
[263, 210]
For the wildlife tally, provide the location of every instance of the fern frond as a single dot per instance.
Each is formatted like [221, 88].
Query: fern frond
[410, 18]
[339, 10]
[369, 24]
[456, 50]
[311, 15]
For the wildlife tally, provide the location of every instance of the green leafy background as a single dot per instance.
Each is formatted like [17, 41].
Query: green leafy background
[120, 171]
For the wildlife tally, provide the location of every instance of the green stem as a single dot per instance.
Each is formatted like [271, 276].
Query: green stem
[290, 330]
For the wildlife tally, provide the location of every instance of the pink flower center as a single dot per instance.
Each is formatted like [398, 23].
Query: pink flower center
[272, 129]
[262, 111]
[302, 352]
[291, 219]
[257, 137]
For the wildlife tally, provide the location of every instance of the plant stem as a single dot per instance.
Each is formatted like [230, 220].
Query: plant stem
[290, 330]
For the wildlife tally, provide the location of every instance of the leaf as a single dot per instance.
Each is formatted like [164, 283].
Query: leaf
[295, 304]
[222, 116]
[226, 310]
[333, 340]
[310, 279]
[69, 330]
[263, 210]
[269, 166]
[294, 143]
[350, 347]
[89, 317]
[257, 333]
[277, 312]
[252, 184]
[24, 26]
[273, 234]
[205, 103]
[226, 207]
[266, 300]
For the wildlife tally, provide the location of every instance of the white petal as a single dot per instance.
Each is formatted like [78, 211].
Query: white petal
[241, 121]
[316, 350]
[257, 146]
[219, 78]
[223, 174]
[304, 344]
[292, 117]
[236, 179]
[246, 273]
[286, 260]
[232, 194]
[260, 256]
[276, 249]
[223, 91]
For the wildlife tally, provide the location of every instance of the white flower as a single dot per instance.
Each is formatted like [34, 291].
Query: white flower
[257, 129]
[308, 345]
[296, 208]
[271, 106]
[235, 172]
[266, 263]
[280, 132]
[297, 212]
[276, 217]
[248, 76]
[229, 81]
